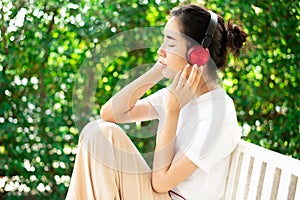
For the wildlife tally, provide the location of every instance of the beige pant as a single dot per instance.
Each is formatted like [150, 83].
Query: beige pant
[109, 167]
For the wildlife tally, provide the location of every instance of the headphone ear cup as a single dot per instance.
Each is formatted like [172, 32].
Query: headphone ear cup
[197, 55]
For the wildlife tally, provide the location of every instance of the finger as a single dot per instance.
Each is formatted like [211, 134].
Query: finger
[176, 79]
[185, 70]
[197, 78]
[192, 76]
[182, 79]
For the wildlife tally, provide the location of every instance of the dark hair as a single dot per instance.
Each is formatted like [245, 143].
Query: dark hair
[194, 21]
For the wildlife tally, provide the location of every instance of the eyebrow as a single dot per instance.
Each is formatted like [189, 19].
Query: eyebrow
[170, 37]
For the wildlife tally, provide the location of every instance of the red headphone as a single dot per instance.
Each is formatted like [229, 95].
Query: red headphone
[199, 54]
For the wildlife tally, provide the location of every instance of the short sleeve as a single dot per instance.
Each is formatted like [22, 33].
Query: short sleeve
[216, 136]
[206, 156]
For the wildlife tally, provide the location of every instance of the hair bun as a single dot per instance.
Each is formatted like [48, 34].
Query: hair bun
[235, 38]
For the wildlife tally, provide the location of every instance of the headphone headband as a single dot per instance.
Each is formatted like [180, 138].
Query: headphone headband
[210, 31]
[199, 54]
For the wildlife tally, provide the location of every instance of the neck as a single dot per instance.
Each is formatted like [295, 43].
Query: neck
[206, 86]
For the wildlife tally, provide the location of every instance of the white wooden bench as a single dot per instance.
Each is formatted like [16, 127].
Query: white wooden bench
[256, 173]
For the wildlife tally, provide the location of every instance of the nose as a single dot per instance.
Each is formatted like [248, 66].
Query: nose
[161, 52]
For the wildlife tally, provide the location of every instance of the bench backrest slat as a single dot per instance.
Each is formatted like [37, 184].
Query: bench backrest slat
[267, 182]
[297, 192]
[258, 173]
[254, 179]
[284, 184]
[243, 177]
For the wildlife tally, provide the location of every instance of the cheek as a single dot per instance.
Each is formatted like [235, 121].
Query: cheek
[176, 61]
[177, 52]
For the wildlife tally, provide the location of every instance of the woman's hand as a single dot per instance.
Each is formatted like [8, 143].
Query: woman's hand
[183, 88]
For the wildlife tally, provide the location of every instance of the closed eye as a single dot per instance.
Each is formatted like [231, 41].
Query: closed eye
[171, 41]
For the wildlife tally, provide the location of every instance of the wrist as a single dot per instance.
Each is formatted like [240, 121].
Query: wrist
[152, 76]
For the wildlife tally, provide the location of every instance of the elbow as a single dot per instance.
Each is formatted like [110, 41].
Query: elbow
[106, 115]
[158, 184]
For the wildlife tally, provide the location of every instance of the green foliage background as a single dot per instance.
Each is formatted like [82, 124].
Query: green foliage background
[44, 42]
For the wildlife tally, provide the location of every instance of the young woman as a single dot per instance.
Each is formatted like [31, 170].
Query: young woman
[197, 130]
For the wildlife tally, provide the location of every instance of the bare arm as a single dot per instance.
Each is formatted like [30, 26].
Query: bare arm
[168, 173]
[125, 106]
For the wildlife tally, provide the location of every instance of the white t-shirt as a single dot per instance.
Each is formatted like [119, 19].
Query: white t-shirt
[207, 133]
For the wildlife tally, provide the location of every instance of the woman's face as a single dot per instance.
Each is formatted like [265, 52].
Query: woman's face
[172, 53]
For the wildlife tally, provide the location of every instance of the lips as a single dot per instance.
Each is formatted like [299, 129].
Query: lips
[163, 65]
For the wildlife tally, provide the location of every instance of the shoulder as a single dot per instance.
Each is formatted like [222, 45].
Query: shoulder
[214, 103]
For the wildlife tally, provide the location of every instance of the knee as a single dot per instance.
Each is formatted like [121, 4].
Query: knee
[99, 129]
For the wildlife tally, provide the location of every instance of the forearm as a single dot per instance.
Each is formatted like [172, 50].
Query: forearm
[125, 99]
[165, 148]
